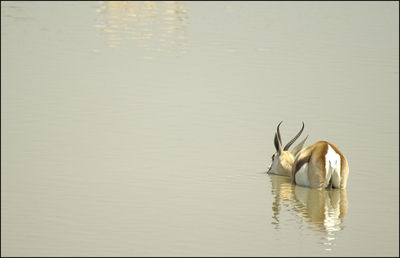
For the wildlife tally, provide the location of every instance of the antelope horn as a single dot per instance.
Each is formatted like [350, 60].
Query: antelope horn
[287, 146]
[278, 145]
[277, 139]
[279, 134]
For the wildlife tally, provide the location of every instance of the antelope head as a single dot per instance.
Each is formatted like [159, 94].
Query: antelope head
[283, 159]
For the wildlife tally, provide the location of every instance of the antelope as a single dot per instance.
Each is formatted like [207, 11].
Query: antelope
[321, 165]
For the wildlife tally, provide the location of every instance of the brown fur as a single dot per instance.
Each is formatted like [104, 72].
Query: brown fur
[286, 163]
[301, 162]
[315, 156]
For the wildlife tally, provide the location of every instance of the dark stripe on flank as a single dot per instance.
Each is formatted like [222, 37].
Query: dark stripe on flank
[301, 162]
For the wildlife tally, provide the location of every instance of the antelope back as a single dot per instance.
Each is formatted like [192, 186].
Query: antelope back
[320, 165]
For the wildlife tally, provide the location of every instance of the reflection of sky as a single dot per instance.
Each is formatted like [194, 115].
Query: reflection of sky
[154, 26]
[322, 210]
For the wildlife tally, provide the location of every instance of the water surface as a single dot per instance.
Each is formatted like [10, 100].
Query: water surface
[146, 128]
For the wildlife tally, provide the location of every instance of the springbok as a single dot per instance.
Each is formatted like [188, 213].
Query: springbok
[320, 165]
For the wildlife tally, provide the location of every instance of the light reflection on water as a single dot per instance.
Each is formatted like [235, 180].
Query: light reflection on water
[157, 27]
[319, 210]
[162, 155]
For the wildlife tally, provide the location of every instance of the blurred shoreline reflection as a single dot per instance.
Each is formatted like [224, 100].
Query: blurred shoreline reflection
[157, 27]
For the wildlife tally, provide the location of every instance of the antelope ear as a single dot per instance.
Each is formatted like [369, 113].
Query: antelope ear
[299, 147]
[278, 145]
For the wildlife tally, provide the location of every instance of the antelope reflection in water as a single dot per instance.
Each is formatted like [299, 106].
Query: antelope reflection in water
[154, 26]
[322, 210]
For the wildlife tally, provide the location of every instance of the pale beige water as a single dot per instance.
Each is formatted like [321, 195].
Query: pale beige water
[146, 128]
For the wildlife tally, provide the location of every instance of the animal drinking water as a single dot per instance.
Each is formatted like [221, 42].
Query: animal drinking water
[321, 165]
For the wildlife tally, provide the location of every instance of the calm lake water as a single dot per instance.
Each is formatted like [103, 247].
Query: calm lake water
[146, 128]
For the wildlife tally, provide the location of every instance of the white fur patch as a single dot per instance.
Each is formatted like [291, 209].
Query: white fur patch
[332, 166]
[301, 176]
